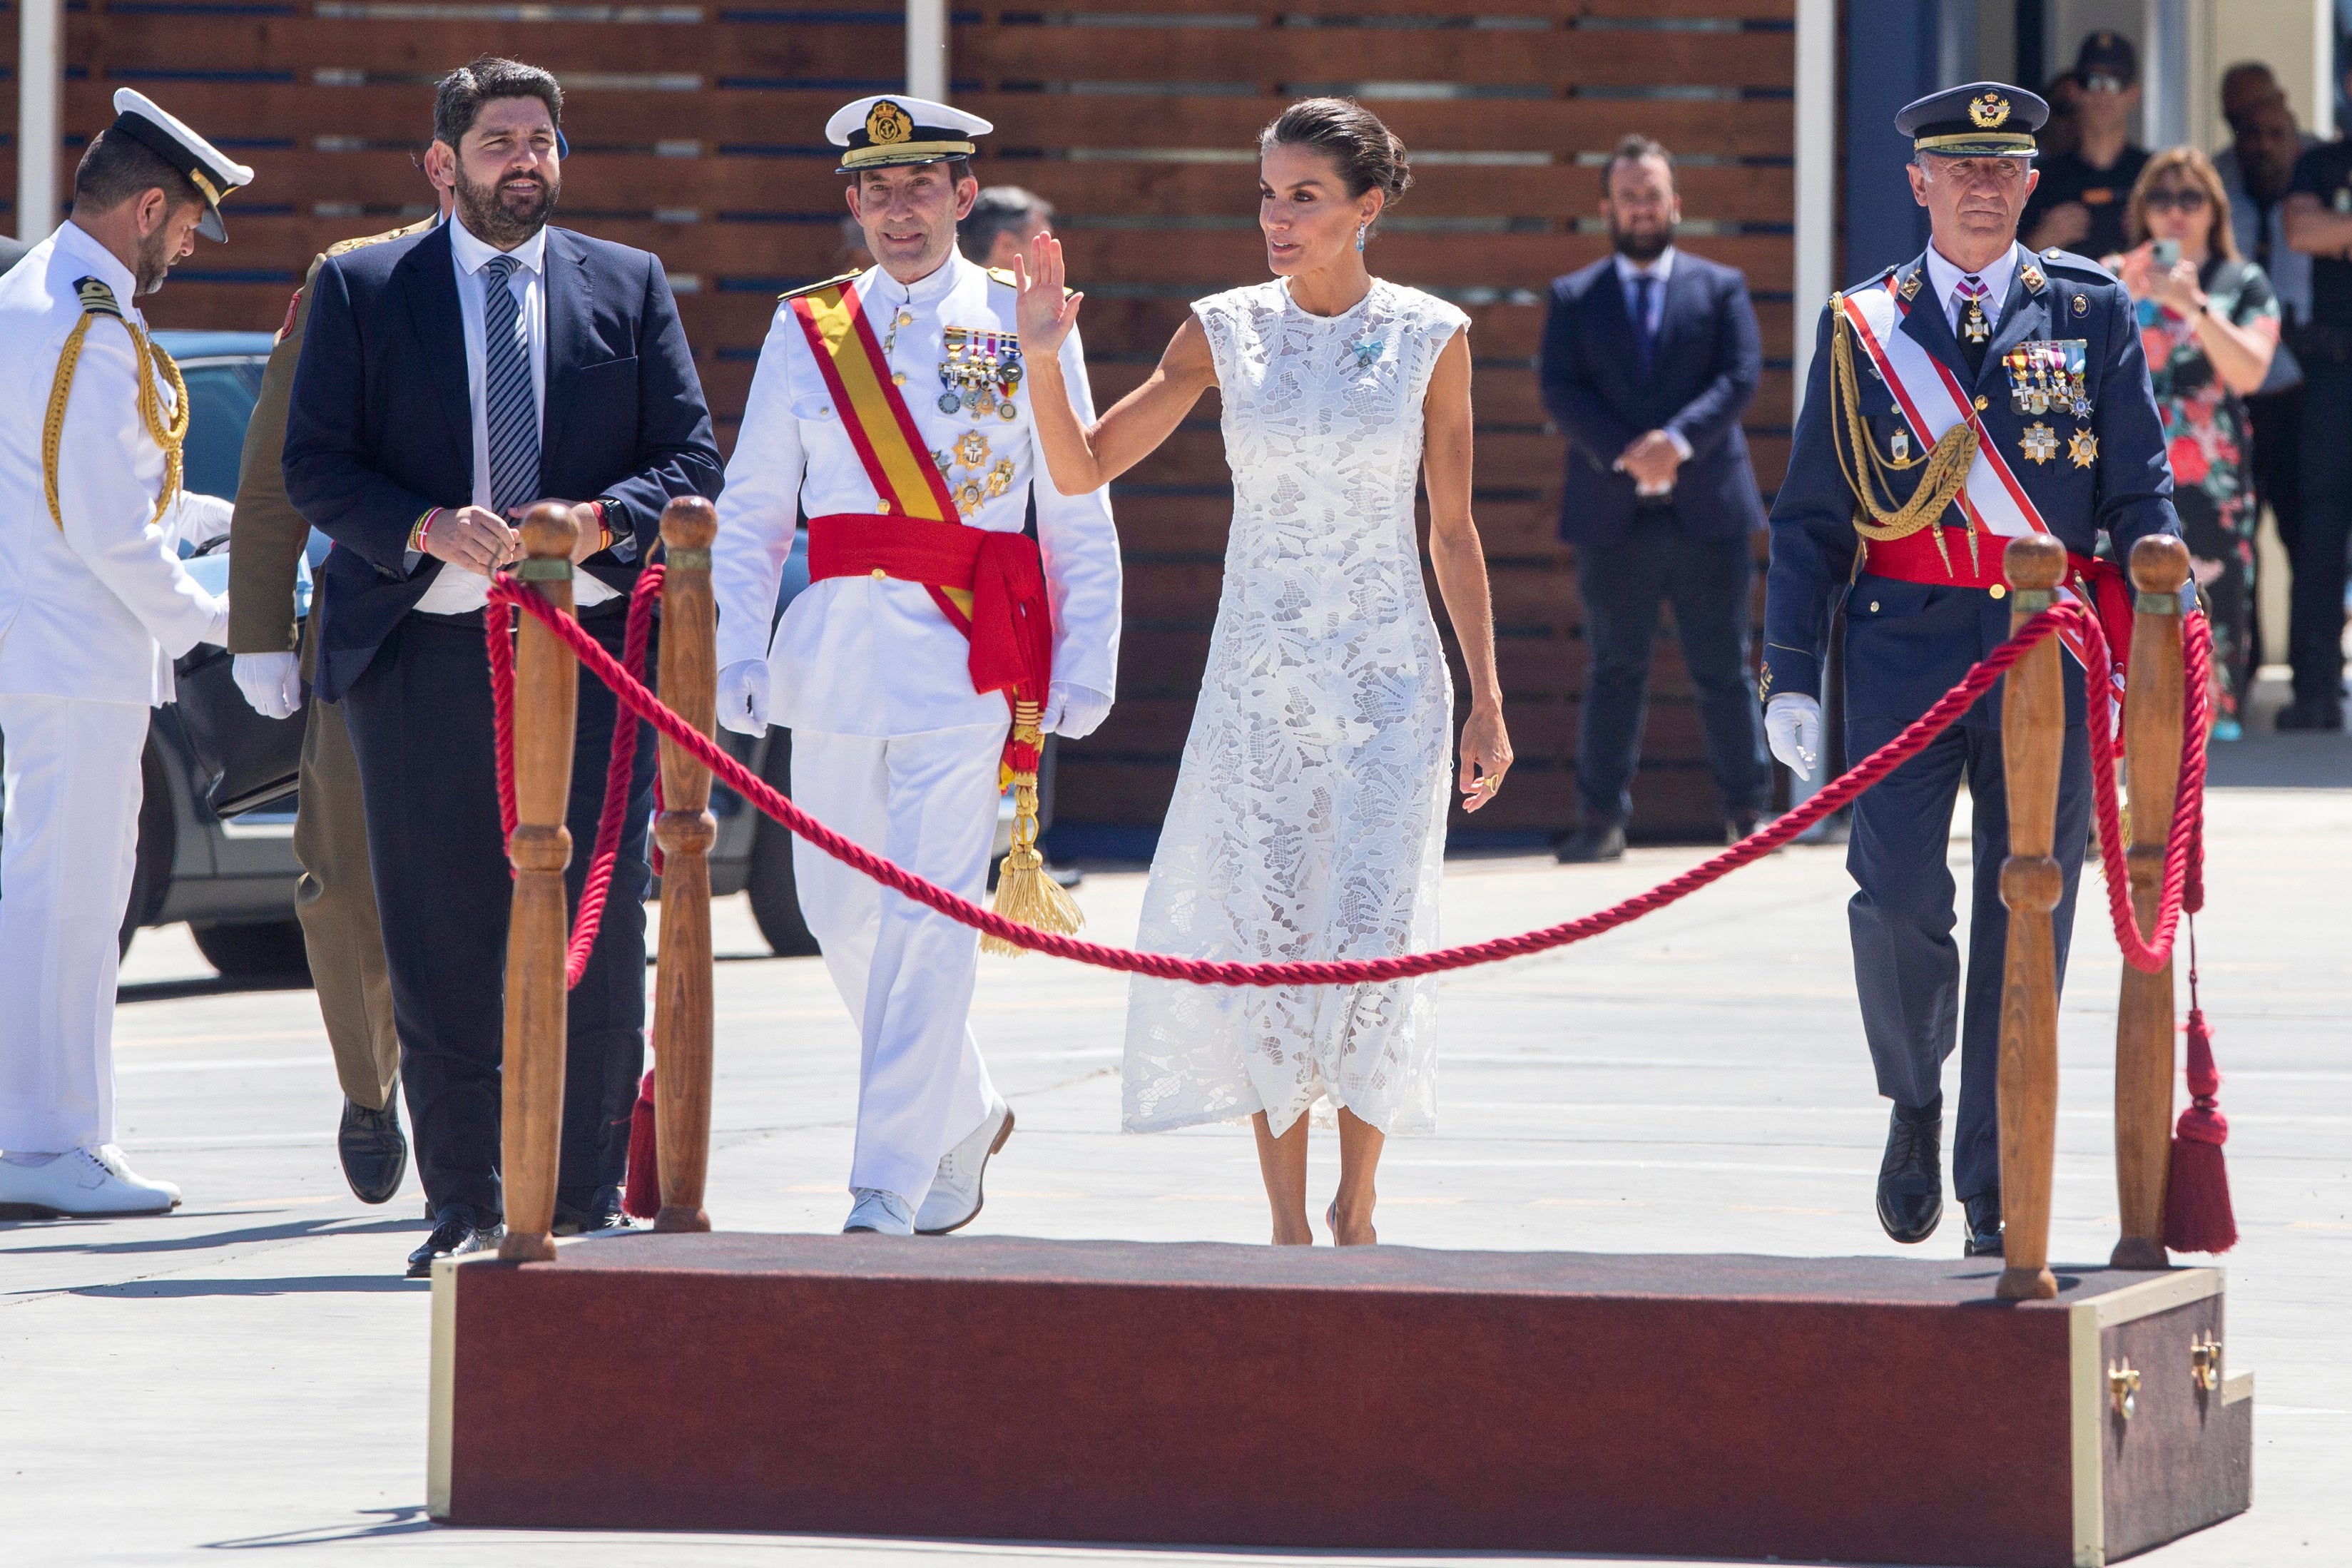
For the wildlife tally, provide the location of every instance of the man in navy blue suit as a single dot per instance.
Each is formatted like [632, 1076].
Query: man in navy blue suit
[449, 383]
[1648, 359]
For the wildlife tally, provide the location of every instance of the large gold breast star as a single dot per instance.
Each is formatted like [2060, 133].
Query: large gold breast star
[2039, 443]
[2083, 448]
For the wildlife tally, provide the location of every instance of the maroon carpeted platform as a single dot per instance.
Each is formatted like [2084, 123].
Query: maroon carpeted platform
[1864, 1409]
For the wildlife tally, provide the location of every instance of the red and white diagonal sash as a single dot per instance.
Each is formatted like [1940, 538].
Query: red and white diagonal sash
[1933, 401]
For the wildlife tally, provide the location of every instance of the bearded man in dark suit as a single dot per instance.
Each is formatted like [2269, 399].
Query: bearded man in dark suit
[449, 382]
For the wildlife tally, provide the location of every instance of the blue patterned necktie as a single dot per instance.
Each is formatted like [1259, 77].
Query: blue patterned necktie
[510, 409]
[1645, 337]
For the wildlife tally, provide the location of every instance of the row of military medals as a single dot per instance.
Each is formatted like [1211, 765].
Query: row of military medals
[980, 374]
[2045, 378]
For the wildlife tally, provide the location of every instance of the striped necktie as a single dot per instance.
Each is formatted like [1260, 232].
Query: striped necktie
[510, 409]
[1974, 323]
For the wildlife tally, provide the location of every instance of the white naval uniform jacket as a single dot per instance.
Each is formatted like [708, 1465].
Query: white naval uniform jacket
[859, 656]
[96, 609]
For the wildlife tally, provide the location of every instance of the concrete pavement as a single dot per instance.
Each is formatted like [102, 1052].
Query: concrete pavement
[249, 1375]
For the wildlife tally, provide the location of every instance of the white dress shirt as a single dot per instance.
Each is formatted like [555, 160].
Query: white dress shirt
[456, 591]
[1944, 279]
[861, 656]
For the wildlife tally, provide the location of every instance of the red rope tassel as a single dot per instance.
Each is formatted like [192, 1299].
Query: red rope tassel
[641, 1199]
[2197, 1212]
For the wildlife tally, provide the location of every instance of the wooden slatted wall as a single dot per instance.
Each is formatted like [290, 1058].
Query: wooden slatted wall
[696, 132]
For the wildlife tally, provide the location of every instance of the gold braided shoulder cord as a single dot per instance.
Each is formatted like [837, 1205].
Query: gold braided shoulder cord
[1866, 474]
[149, 361]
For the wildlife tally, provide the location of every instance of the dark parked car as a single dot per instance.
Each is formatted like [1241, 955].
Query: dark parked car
[233, 879]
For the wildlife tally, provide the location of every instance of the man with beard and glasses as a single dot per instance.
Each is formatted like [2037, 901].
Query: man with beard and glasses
[94, 605]
[449, 383]
[1649, 357]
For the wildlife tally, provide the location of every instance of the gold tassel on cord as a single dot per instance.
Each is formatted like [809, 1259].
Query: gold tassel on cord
[1024, 892]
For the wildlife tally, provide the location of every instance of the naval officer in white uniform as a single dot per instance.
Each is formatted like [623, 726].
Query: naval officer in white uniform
[94, 605]
[891, 745]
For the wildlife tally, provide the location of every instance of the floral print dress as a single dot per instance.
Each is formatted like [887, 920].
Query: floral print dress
[2206, 436]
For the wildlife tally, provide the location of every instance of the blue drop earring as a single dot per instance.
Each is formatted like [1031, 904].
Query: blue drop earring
[1360, 236]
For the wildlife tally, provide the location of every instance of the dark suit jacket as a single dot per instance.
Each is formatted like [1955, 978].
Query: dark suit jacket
[381, 428]
[1704, 368]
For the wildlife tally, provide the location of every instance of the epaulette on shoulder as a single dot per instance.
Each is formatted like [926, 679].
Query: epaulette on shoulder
[1873, 281]
[345, 246]
[97, 298]
[1005, 275]
[819, 287]
[2055, 259]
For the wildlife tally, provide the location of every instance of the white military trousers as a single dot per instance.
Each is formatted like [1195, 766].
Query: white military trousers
[66, 855]
[927, 802]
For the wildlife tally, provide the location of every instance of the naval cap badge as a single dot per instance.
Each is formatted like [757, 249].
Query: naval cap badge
[886, 124]
[1988, 111]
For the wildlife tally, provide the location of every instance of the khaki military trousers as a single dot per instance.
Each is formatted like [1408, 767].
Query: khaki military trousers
[336, 904]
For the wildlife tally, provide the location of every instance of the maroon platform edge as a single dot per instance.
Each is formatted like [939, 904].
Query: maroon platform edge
[1880, 1410]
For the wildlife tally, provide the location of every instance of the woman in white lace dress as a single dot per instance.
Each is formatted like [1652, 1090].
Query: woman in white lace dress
[1310, 816]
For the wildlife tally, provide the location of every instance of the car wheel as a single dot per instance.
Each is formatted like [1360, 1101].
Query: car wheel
[269, 951]
[150, 878]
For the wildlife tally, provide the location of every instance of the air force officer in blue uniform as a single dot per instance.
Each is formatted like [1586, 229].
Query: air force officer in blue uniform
[2047, 423]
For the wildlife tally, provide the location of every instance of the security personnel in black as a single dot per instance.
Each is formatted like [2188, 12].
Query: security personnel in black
[1976, 392]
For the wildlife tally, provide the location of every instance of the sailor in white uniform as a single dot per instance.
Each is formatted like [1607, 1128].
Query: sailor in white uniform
[891, 743]
[94, 605]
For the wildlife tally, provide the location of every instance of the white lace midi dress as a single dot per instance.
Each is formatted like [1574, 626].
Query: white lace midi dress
[1309, 814]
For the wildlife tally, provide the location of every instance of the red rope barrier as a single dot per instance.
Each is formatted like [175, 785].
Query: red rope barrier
[2180, 851]
[496, 624]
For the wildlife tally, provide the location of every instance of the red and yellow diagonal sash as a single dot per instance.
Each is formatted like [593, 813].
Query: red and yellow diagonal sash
[833, 320]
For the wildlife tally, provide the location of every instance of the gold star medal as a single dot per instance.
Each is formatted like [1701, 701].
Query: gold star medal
[967, 496]
[2039, 443]
[2083, 448]
[971, 448]
[1000, 478]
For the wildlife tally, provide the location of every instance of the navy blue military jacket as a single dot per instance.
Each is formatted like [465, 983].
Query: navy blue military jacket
[2103, 471]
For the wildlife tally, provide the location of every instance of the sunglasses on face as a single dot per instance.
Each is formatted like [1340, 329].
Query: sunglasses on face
[2176, 201]
[2099, 82]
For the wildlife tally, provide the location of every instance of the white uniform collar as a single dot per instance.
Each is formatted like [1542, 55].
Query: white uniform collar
[84, 248]
[1661, 268]
[930, 291]
[473, 253]
[1943, 277]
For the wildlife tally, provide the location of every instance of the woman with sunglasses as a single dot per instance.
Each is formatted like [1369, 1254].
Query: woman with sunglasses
[2209, 322]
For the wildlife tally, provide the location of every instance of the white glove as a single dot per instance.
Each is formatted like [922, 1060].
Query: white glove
[1792, 723]
[218, 631]
[272, 683]
[198, 519]
[743, 697]
[1072, 712]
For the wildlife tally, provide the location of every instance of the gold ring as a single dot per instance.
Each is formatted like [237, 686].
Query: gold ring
[1490, 781]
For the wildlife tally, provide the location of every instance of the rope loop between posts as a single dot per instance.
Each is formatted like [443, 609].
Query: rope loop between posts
[498, 627]
[2153, 952]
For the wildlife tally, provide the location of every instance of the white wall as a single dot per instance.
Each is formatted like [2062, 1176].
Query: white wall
[2285, 34]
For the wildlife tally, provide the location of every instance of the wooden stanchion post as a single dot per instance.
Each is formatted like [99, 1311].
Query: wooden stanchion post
[2152, 738]
[2033, 737]
[690, 684]
[547, 685]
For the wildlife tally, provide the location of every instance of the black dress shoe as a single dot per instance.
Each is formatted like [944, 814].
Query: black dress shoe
[1984, 1225]
[584, 1211]
[1594, 841]
[1911, 1181]
[374, 1150]
[2324, 714]
[462, 1228]
[1741, 824]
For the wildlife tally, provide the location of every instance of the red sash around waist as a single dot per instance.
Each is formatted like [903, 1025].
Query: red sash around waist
[1914, 559]
[1010, 622]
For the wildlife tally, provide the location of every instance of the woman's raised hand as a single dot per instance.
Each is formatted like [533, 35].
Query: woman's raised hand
[1046, 314]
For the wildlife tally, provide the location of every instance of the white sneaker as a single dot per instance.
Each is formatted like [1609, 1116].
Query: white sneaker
[954, 1199]
[83, 1182]
[884, 1213]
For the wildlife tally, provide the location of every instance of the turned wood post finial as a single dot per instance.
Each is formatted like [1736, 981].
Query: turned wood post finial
[2159, 565]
